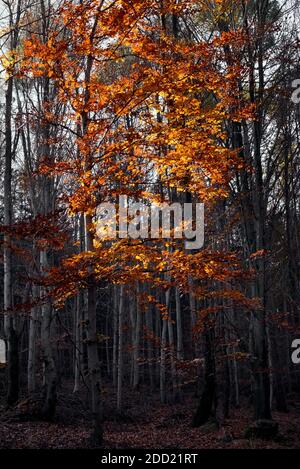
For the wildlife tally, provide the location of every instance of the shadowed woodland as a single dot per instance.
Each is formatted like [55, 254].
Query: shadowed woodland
[136, 342]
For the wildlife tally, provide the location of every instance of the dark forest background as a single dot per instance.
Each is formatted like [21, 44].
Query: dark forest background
[196, 352]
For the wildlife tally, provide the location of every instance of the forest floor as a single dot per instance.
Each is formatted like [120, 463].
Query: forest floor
[146, 424]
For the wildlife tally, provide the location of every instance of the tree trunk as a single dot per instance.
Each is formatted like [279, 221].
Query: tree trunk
[136, 350]
[163, 361]
[78, 336]
[120, 351]
[115, 335]
[94, 369]
[31, 367]
[204, 409]
[9, 320]
[50, 377]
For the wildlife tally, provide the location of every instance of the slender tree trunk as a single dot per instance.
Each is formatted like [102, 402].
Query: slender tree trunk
[178, 326]
[50, 376]
[10, 328]
[78, 335]
[115, 334]
[120, 351]
[31, 367]
[149, 326]
[136, 354]
[9, 320]
[172, 355]
[163, 395]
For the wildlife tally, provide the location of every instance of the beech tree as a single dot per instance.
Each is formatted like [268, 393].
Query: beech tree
[169, 102]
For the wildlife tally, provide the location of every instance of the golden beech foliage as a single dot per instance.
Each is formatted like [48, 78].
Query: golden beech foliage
[147, 109]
